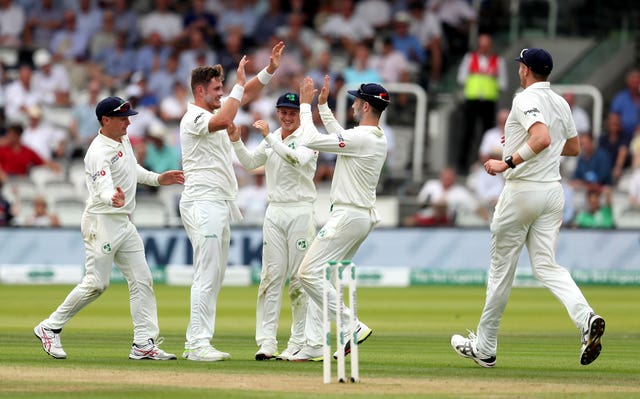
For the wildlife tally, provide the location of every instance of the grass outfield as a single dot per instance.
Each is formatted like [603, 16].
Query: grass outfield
[407, 356]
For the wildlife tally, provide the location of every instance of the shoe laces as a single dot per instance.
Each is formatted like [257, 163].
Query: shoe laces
[472, 335]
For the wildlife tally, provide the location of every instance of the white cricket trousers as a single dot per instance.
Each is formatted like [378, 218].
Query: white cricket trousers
[527, 213]
[339, 239]
[288, 231]
[207, 226]
[109, 239]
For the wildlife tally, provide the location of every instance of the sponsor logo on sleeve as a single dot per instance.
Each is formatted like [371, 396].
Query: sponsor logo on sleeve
[99, 173]
[533, 111]
[341, 142]
[198, 117]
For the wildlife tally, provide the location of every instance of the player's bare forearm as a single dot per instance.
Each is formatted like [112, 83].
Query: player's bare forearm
[571, 147]
[171, 177]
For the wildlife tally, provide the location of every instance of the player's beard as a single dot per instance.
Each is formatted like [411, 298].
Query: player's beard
[358, 111]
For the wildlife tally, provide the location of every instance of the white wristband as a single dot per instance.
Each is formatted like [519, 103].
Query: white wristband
[526, 153]
[237, 92]
[264, 77]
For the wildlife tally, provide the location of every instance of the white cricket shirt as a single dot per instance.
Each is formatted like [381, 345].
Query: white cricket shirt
[538, 103]
[361, 151]
[289, 166]
[206, 158]
[109, 164]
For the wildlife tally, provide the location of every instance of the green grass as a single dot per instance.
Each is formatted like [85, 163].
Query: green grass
[408, 355]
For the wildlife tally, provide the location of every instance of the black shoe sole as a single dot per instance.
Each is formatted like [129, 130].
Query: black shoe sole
[593, 349]
[262, 356]
[347, 346]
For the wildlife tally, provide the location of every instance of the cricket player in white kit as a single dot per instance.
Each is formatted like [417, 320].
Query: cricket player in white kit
[288, 230]
[362, 152]
[538, 131]
[112, 174]
[208, 202]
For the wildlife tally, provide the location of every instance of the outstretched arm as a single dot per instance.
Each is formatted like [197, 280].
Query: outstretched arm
[255, 85]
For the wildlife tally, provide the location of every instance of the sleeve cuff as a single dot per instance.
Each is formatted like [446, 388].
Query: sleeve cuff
[304, 107]
[324, 107]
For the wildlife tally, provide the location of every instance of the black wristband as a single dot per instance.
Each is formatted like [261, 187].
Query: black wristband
[509, 161]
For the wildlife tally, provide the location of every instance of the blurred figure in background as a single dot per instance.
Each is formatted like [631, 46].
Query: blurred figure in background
[41, 216]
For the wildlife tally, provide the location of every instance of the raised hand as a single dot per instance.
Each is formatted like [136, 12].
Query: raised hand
[117, 200]
[171, 177]
[276, 56]
[324, 92]
[307, 91]
[241, 74]
[262, 126]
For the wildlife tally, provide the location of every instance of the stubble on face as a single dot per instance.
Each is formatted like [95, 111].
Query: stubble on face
[213, 96]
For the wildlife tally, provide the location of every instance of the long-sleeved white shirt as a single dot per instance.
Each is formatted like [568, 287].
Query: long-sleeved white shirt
[289, 166]
[206, 158]
[361, 151]
[109, 164]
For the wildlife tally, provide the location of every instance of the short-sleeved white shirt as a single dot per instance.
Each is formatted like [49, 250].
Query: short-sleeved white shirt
[206, 158]
[538, 103]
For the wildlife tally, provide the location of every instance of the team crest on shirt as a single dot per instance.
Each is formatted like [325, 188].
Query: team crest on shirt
[106, 248]
[301, 244]
[533, 111]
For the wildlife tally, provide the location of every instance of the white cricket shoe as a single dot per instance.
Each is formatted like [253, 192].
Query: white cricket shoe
[591, 336]
[466, 347]
[291, 350]
[50, 342]
[267, 352]
[205, 353]
[363, 332]
[308, 353]
[150, 351]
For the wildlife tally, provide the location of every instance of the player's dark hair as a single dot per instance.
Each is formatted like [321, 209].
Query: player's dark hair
[201, 76]
[16, 128]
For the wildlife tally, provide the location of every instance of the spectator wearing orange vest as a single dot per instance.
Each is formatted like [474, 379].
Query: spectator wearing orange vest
[483, 75]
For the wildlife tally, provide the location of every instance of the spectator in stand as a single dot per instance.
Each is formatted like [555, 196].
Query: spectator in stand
[47, 141]
[290, 67]
[483, 75]
[41, 216]
[301, 40]
[69, 42]
[593, 169]
[239, 14]
[581, 117]
[597, 215]
[626, 103]
[442, 199]
[173, 107]
[19, 95]
[88, 17]
[456, 17]
[360, 69]
[153, 55]
[266, 26]
[161, 80]
[148, 98]
[634, 184]
[118, 61]
[42, 21]
[376, 12]
[160, 156]
[485, 187]
[17, 159]
[162, 20]
[614, 143]
[406, 43]
[391, 64]
[13, 20]
[146, 116]
[199, 18]
[106, 35]
[342, 29]
[127, 20]
[187, 59]
[425, 26]
[231, 53]
[84, 124]
[50, 80]
[320, 67]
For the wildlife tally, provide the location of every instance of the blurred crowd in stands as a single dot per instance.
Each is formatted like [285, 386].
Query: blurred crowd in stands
[60, 57]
